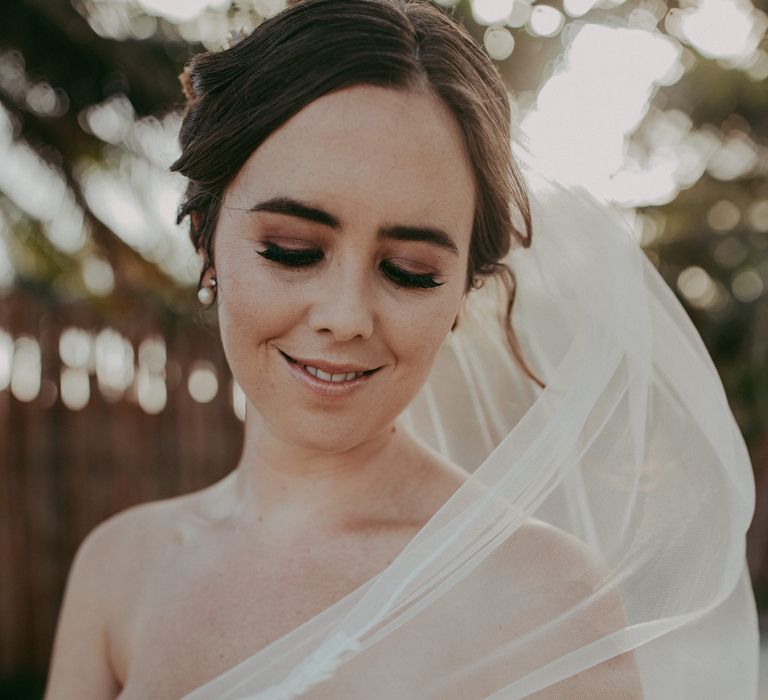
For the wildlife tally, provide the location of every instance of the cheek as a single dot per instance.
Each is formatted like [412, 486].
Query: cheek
[415, 332]
[251, 312]
[248, 312]
[252, 302]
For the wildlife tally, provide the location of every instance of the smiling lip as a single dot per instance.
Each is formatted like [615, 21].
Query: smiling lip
[329, 367]
[324, 388]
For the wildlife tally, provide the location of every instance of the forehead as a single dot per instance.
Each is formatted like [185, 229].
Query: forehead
[370, 153]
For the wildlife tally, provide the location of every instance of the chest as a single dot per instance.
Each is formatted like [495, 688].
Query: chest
[195, 619]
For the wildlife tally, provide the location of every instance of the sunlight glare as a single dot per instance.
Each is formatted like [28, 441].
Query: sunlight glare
[585, 112]
[723, 28]
[735, 158]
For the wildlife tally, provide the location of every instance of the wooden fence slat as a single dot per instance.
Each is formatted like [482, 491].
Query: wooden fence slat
[62, 471]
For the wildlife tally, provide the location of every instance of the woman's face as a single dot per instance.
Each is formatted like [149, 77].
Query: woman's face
[343, 241]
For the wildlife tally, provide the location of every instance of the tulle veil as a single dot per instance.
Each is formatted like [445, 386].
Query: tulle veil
[598, 549]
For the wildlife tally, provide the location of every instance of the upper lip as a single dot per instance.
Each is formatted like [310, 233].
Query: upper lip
[329, 367]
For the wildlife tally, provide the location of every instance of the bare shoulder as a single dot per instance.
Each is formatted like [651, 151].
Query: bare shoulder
[119, 548]
[118, 554]
[551, 550]
[80, 663]
[564, 572]
[571, 576]
[546, 572]
[104, 575]
[138, 530]
[551, 588]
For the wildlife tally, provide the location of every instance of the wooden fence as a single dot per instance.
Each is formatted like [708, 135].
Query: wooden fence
[63, 471]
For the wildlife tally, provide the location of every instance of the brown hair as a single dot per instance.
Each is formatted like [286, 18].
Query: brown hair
[238, 96]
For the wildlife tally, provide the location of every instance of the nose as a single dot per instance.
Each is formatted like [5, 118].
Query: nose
[344, 305]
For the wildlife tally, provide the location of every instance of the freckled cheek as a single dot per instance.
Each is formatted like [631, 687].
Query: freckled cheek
[254, 303]
[250, 315]
[416, 332]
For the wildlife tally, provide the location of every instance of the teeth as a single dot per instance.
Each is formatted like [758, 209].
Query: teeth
[325, 376]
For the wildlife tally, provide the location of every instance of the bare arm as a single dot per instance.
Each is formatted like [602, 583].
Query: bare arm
[80, 666]
[617, 678]
[516, 622]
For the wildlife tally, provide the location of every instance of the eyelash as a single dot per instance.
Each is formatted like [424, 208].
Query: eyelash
[304, 258]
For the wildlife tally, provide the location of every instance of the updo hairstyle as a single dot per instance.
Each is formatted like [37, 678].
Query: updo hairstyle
[238, 96]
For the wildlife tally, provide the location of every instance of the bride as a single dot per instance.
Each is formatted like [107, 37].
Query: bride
[351, 189]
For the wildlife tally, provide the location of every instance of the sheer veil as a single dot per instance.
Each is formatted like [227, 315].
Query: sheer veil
[598, 548]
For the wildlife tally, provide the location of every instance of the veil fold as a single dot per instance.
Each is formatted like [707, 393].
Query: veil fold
[598, 548]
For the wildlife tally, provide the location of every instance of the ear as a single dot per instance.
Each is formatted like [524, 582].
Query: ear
[202, 256]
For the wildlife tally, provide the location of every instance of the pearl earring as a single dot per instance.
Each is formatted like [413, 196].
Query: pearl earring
[206, 294]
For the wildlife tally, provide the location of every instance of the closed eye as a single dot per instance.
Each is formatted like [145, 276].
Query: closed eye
[291, 258]
[309, 256]
[409, 279]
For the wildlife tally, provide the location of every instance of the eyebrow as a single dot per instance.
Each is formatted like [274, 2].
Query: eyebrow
[293, 207]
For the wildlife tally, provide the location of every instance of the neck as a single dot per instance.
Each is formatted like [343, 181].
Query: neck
[287, 489]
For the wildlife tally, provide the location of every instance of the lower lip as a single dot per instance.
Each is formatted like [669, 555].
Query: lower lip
[324, 388]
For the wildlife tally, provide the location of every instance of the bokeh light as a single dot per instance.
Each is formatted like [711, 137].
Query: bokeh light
[546, 20]
[75, 388]
[498, 42]
[202, 383]
[6, 358]
[724, 215]
[491, 11]
[699, 289]
[26, 368]
[747, 285]
[114, 364]
[76, 348]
